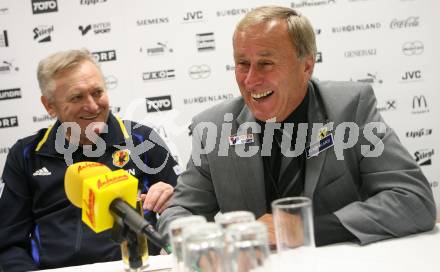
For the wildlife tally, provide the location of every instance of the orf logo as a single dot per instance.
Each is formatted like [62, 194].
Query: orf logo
[413, 48]
[44, 6]
[159, 103]
[121, 157]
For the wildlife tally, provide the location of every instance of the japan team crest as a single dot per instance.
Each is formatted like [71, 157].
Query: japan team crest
[121, 157]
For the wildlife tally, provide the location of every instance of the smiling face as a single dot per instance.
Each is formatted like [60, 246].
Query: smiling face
[79, 96]
[272, 79]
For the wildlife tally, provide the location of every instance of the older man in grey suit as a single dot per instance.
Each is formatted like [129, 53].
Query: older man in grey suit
[364, 185]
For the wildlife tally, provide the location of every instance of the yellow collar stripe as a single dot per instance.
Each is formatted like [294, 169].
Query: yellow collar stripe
[124, 130]
[40, 144]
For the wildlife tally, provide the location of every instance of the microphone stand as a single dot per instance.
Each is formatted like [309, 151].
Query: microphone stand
[122, 232]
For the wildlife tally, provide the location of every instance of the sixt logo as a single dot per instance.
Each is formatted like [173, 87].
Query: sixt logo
[423, 156]
[419, 133]
[44, 6]
[159, 103]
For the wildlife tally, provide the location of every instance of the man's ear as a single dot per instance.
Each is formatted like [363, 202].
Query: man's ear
[48, 106]
[309, 64]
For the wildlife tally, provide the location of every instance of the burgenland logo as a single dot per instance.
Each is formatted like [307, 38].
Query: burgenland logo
[43, 33]
[193, 17]
[424, 156]
[413, 48]
[42, 118]
[311, 3]
[207, 99]
[388, 105]
[7, 66]
[412, 21]
[205, 42]
[371, 78]
[160, 48]
[152, 21]
[357, 27]
[98, 28]
[9, 121]
[360, 53]
[102, 56]
[158, 75]
[4, 42]
[44, 6]
[419, 104]
[418, 133]
[159, 103]
[10, 94]
[91, 2]
[111, 82]
[201, 71]
[233, 12]
[411, 76]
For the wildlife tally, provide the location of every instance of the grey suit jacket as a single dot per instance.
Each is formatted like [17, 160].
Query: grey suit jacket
[374, 197]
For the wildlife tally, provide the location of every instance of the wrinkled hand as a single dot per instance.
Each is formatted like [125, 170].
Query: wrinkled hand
[157, 197]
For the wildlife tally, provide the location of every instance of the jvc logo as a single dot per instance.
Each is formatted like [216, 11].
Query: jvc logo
[193, 16]
[44, 6]
[159, 103]
[102, 56]
[412, 75]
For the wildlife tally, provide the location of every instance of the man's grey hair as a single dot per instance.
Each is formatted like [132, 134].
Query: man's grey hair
[300, 29]
[51, 66]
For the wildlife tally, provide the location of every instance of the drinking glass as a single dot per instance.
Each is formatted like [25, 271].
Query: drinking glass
[204, 248]
[175, 232]
[247, 247]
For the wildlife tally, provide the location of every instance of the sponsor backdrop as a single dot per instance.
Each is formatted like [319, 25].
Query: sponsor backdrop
[166, 61]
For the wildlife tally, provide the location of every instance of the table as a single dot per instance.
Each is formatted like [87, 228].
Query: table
[415, 253]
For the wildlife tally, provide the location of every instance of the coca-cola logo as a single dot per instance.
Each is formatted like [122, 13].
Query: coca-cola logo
[412, 21]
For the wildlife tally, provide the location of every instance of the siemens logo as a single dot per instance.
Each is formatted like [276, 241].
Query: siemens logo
[44, 6]
[159, 103]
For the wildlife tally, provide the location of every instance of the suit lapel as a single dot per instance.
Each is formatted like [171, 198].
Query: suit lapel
[314, 165]
[250, 169]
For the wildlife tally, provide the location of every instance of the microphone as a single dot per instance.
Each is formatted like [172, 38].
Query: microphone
[105, 195]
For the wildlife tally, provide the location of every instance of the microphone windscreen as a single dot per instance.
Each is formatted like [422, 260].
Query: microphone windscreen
[75, 176]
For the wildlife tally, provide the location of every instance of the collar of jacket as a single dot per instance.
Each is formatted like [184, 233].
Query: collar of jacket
[116, 135]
